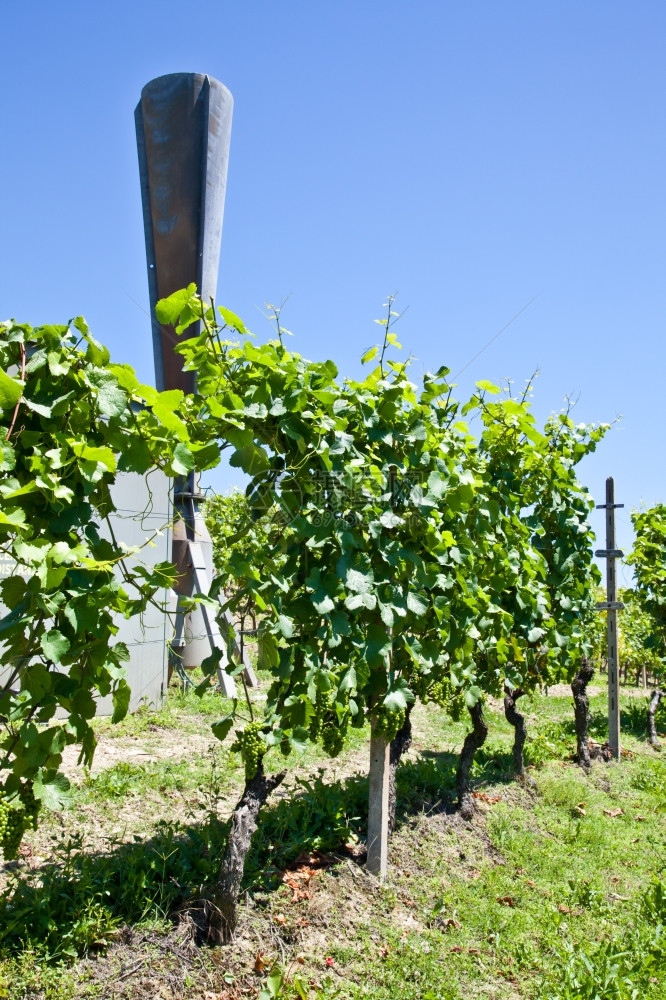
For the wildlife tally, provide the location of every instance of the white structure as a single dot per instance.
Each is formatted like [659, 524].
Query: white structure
[144, 514]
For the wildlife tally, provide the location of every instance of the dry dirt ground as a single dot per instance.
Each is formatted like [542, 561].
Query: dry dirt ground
[157, 744]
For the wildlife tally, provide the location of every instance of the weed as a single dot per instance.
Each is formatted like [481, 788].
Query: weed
[115, 782]
[74, 903]
[551, 741]
[626, 967]
[651, 777]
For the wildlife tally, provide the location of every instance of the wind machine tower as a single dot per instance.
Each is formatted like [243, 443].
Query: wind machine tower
[183, 128]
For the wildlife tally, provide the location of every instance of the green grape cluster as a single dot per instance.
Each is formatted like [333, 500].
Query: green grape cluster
[16, 817]
[419, 685]
[324, 725]
[31, 805]
[446, 696]
[251, 748]
[388, 722]
[322, 707]
[440, 693]
[332, 738]
[456, 707]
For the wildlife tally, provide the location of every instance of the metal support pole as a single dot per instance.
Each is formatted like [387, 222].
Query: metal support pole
[611, 605]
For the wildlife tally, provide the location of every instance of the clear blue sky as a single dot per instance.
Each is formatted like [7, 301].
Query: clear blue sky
[468, 155]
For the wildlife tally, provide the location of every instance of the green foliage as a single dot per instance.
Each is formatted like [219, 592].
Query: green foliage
[384, 552]
[635, 629]
[71, 906]
[594, 626]
[623, 967]
[648, 558]
[450, 881]
[532, 478]
[78, 900]
[356, 579]
[320, 814]
[397, 555]
[551, 740]
[70, 422]
[239, 538]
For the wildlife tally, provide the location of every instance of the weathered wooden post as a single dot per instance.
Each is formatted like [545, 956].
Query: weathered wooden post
[611, 605]
[378, 806]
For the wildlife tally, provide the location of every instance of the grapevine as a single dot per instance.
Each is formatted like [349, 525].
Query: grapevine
[68, 425]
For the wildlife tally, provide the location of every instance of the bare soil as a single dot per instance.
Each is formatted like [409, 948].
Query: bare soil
[157, 745]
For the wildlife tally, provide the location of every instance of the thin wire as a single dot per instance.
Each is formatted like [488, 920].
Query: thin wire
[138, 304]
[493, 339]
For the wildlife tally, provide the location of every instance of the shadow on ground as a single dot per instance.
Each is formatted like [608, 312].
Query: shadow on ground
[80, 900]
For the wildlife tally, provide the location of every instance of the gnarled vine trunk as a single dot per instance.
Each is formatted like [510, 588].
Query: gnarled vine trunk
[515, 719]
[581, 711]
[655, 698]
[399, 746]
[224, 913]
[473, 742]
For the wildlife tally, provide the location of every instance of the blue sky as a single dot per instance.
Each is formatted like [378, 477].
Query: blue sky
[468, 155]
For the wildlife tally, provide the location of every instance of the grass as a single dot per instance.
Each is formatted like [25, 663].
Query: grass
[550, 893]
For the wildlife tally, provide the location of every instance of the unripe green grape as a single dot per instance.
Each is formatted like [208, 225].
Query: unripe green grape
[419, 685]
[332, 739]
[322, 706]
[15, 821]
[251, 748]
[388, 722]
[440, 693]
[31, 805]
[456, 707]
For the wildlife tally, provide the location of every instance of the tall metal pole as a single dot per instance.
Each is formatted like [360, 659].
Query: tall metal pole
[183, 129]
[611, 605]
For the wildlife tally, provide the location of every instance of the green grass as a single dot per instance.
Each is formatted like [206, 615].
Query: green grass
[550, 894]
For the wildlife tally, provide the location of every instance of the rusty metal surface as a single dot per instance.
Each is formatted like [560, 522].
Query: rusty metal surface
[183, 127]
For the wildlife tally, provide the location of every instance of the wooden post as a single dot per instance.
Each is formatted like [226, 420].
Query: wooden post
[611, 605]
[378, 806]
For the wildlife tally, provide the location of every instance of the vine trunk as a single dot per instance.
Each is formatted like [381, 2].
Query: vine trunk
[515, 719]
[224, 914]
[399, 746]
[581, 711]
[473, 742]
[655, 698]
